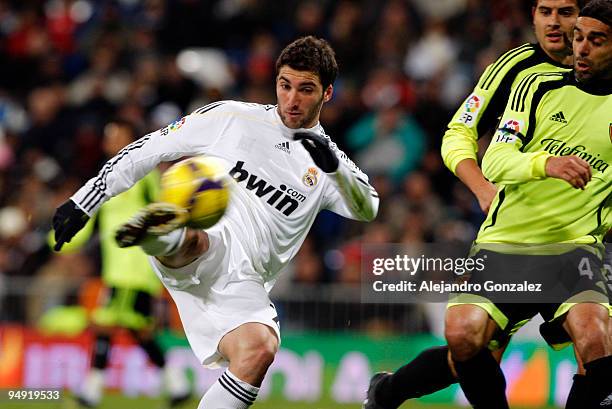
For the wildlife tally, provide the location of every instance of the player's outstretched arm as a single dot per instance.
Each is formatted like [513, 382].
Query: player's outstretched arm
[132, 163]
[118, 174]
[358, 196]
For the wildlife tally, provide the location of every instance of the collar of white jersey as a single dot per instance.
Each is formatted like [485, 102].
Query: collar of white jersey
[289, 132]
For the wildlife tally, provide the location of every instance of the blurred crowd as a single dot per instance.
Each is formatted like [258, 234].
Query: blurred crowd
[67, 67]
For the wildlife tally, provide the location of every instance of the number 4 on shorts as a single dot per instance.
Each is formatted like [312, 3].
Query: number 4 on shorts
[584, 267]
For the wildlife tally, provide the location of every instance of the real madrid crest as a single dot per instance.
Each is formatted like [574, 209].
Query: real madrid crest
[311, 177]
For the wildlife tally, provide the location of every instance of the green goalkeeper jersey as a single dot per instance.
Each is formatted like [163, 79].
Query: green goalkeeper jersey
[550, 115]
[482, 109]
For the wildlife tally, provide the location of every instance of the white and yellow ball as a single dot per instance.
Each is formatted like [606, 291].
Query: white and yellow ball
[201, 186]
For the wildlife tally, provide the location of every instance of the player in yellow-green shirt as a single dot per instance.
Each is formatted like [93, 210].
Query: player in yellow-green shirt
[551, 156]
[480, 112]
[131, 286]
[552, 119]
[553, 22]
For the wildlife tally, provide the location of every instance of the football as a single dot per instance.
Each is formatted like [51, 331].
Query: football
[201, 186]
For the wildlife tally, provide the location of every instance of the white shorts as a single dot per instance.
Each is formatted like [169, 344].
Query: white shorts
[214, 297]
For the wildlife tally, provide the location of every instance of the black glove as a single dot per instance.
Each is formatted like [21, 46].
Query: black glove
[319, 149]
[67, 222]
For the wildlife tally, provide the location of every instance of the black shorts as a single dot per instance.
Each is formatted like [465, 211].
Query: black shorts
[513, 288]
[552, 329]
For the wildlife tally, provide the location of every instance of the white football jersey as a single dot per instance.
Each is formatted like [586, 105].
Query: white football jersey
[278, 189]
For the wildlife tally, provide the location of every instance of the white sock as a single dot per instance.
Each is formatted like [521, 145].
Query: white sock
[163, 245]
[91, 390]
[229, 392]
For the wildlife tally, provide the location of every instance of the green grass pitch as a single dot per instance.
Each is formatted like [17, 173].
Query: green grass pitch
[116, 401]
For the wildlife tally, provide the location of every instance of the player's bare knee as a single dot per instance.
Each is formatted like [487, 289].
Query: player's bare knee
[258, 351]
[593, 347]
[590, 336]
[262, 356]
[592, 340]
[464, 332]
[463, 343]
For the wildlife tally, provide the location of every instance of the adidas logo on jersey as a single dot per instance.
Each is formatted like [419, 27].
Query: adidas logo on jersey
[559, 117]
[283, 146]
[283, 198]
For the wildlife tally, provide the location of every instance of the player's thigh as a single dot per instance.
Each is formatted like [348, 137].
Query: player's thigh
[210, 311]
[587, 324]
[469, 313]
[587, 320]
[480, 316]
[195, 244]
[466, 330]
[204, 271]
[488, 324]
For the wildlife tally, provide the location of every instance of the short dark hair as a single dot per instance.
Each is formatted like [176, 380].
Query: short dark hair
[310, 54]
[599, 10]
[579, 3]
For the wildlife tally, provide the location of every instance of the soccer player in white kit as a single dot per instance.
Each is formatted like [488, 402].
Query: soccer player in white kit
[220, 277]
